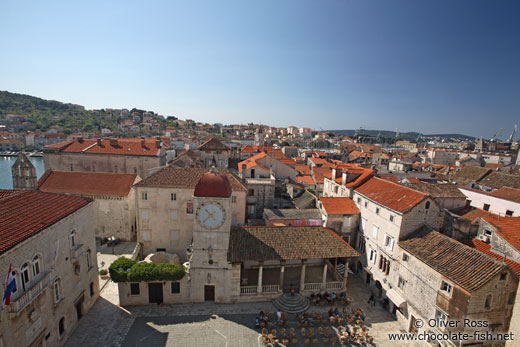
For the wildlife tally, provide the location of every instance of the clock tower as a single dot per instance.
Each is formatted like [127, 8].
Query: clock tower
[210, 271]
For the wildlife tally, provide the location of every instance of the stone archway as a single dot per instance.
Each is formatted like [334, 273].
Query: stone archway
[379, 289]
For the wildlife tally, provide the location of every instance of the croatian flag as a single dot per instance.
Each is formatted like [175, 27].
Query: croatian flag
[11, 287]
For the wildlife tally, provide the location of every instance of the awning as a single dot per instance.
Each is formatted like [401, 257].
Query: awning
[395, 297]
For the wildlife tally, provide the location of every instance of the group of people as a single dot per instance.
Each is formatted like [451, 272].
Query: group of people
[264, 318]
[330, 299]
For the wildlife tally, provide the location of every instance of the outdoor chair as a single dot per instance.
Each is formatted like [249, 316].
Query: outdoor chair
[285, 342]
[274, 332]
[333, 340]
[315, 341]
[307, 341]
[295, 341]
[325, 340]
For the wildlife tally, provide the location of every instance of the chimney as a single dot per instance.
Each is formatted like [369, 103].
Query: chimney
[98, 141]
[157, 142]
[142, 141]
[343, 178]
[80, 139]
[113, 142]
[333, 173]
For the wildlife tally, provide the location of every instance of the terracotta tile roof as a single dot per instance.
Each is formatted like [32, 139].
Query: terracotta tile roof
[319, 173]
[469, 173]
[461, 264]
[86, 183]
[507, 228]
[437, 190]
[213, 145]
[486, 249]
[132, 147]
[507, 193]
[278, 243]
[292, 213]
[499, 180]
[174, 177]
[391, 195]
[339, 205]
[306, 180]
[25, 213]
[303, 169]
[318, 161]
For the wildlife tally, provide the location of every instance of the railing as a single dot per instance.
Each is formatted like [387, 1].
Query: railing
[270, 288]
[334, 285]
[19, 304]
[312, 286]
[248, 290]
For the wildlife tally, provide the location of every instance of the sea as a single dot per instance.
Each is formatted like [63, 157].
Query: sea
[6, 181]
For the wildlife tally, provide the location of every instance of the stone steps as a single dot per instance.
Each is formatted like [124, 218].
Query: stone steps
[292, 303]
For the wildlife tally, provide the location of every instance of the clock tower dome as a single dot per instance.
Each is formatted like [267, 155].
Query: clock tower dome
[210, 270]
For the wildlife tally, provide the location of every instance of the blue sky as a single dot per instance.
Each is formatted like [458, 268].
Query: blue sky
[427, 66]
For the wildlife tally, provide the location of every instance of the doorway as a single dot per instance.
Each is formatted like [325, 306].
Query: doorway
[79, 308]
[155, 293]
[209, 293]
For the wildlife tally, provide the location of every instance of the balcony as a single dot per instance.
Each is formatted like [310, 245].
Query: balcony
[31, 294]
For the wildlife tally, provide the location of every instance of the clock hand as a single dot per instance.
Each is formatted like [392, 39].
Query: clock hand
[204, 221]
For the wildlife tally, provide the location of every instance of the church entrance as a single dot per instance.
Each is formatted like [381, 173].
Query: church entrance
[155, 293]
[209, 293]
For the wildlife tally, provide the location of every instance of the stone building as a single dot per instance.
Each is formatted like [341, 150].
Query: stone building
[344, 179]
[389, 213]
[214, 153]
[23, 173]
[113, 195]
[131, 156]
[292, 217]
[446, 281]
[48, 239]
[340, 215]
[165, 209]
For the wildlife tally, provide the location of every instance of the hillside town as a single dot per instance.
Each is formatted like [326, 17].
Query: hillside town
[338, 234]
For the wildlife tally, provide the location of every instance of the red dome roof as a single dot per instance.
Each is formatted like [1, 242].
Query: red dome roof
[215, 185]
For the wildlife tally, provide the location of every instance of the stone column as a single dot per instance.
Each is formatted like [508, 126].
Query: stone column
[260, 273]
[282, 272]
[324, 279]
[302, 277]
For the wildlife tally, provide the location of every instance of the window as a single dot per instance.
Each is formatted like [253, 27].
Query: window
[61, 326]
[503, 276]
[233, 199]
[135, 170]
[363, 224]
[509, 213]
[440, 317]
[486, 207]
[174, 235]
[144, 196]
[71, 167]
[375, 229]
[427, 206]
[57, 294]
[487, 304]
[488, 232]
[359, 200]
[176, 287]
[25, 276]
[366, 203]
[89, 261]
[446, 287]
[251, 192]
[406, 257]
[373, 256]
[251, 210]
[72, 239]
[389, 242]
[377, 210]
[401, 283]
[173, 196]
[91, 288]
[391, 218]
[134, 289]
[174, 215]
[36, 266]
[511, 298]
[189, 207]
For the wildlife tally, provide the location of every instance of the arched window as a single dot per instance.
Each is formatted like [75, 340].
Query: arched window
[25, 276]
[36, 265]
[427, 206]
[61, 326]
[56, 287]
[488, 302]
[73, 239]
[89, 261]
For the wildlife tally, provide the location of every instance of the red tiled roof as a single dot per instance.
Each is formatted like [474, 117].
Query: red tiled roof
[213, 144]
[507, 193]
[306, 180]
[486, 249]
[320, 173]
[337, 205]
[213, 185]
[303, 169]
[391, 195]
[175, 177]
[86, 183]
[277, 243]
[25, 213]
[132, 147]
[461, 264]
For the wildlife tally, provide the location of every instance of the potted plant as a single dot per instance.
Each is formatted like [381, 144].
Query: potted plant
[103, 273]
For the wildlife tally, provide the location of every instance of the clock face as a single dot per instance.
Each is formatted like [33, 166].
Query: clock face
[211, 215]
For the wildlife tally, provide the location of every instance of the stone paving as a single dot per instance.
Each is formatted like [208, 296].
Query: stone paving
[205, 324]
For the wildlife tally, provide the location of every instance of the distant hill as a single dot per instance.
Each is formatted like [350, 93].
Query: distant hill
[410, 136]
[41, 114]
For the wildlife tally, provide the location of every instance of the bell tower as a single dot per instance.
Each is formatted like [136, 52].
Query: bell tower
[210, 271]
[23, 173]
